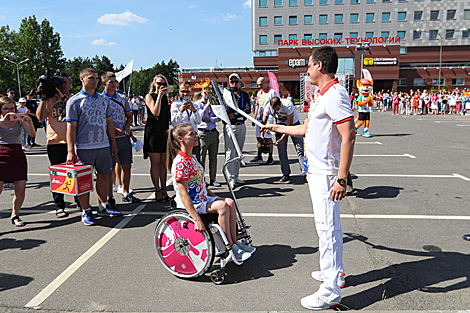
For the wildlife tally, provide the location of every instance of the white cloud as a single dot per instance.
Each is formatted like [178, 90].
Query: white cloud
[247, 4]
[228, 17]
[122, 19]
[102, 42]
[193, 6]
[223, 17]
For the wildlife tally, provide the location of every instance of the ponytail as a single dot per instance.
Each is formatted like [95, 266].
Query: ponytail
[173, 144]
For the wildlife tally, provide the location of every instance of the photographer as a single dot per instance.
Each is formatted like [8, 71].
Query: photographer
[237, 123]
[184, 111]
[13, 165]
[53, 109]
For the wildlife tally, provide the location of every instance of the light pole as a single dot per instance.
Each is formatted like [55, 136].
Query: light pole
[17, 72]
[362, 46]
[419, 30]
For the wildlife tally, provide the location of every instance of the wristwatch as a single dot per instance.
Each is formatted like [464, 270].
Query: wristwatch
[341, 181]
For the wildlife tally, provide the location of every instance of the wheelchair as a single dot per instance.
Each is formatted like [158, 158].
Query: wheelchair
[189, 254]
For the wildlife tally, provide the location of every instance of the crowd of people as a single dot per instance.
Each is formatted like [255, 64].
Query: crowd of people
[416, 102]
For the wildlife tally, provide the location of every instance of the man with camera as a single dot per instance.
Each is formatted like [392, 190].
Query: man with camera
[52, 108]
[90, 127]
[237, 123]
[122, 119]
[184, 111]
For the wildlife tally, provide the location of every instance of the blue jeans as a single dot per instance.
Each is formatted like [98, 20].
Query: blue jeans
[24, 136]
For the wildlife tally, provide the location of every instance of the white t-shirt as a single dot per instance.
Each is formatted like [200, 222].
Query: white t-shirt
[287, 108]
[322, 138]
[135, 104]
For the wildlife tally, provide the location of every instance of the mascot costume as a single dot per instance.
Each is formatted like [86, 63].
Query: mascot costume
[364, 102]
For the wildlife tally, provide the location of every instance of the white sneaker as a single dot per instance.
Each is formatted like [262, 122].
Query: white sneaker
[119, 189]
[314, 302]
[341, 278]
[115, 188]
[215, 184]
[240, 255]
[239, 181]
[246, 248]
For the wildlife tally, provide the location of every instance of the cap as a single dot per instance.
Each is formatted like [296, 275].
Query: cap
[22, 100]
[234, 75]
[27, 93]
[10, 89]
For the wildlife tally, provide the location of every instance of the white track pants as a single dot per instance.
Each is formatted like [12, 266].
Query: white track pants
[328, 225]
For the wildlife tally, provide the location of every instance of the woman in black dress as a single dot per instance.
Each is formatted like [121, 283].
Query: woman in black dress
[156, 134]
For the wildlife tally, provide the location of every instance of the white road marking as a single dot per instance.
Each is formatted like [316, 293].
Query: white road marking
[461, 176]
[408, 175]
[463, 125]
[368, 143]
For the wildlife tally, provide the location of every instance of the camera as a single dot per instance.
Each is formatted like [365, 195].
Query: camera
[233, 89]
[47, 84]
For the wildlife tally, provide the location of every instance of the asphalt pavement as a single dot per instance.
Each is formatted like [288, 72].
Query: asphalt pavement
[402, 226]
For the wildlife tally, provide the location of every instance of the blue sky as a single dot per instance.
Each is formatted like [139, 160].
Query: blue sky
[194, 33]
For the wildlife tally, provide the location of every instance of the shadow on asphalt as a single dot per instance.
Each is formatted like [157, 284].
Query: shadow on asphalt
[266, 259]
[377, 192]
[10, 281]
[406, 277]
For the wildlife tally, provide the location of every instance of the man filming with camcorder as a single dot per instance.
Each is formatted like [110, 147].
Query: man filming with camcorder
[52, 108]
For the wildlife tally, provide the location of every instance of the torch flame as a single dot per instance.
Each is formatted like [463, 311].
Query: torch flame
[203, 84]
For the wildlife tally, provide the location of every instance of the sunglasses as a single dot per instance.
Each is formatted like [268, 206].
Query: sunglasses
[234, 81]
[161, 84]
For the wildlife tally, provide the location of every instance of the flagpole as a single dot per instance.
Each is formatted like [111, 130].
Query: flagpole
[123, 85]
[130, 82]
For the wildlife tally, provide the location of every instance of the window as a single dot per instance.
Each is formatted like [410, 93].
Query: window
[401, 34]
[369, 17]
[385, 34]
[278, 3]
[458, 81]
[402, 0]
[435, 82]
[292, 20]
[278, 20]
[339, 36]
[322, 36]
[338, 18]
[277, 38]
[308, 2]
[263, 3]
[433, 34]
[354, 1]
[401, 16]
[322, 2]
[370, 1]
[369, 34]
[308, 19]
[419, 82]
[402, 82]
[403, 50]
[338, 1]
[242, 85]
[353, 35]
[323, 19]
[292, 37]
[386, 1]
[451, 14]
[354, 18]
[263, 21]
[253, 85]
[450, 33]
[418, 15]
[416, 35]
[292, 3]
[308, 36]
[465, 34]
[466, 14]
[385, 16]
[263, 39]
[434, 15]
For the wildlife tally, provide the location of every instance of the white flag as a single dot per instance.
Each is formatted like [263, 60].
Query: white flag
[125, 72]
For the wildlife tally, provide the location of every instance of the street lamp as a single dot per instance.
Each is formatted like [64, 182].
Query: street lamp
[361, 47]
[17, 72]
[419, 30]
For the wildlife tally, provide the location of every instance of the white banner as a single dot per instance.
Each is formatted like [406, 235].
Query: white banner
[125, 72]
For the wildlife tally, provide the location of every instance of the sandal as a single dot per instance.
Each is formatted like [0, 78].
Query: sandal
[59, 212]
[167, 198]
[161, 200]
[15, 220]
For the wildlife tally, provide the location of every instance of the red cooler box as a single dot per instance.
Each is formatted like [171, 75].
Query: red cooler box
[71, 179]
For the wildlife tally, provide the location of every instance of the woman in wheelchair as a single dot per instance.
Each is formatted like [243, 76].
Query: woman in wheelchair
[191, 192]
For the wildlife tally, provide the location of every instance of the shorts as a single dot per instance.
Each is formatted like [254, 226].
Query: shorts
[258, 129]
[100, 159]
[201, 207]
[124, 147]
[364, 116]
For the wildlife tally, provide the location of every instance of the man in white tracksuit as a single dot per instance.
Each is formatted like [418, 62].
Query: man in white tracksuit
[329, 145]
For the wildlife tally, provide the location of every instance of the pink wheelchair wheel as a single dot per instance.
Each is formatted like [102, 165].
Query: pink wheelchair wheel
[183, 251]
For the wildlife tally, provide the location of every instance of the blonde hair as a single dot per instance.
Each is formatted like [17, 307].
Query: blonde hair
[196, 96]
[173, 144]
[152, 85]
